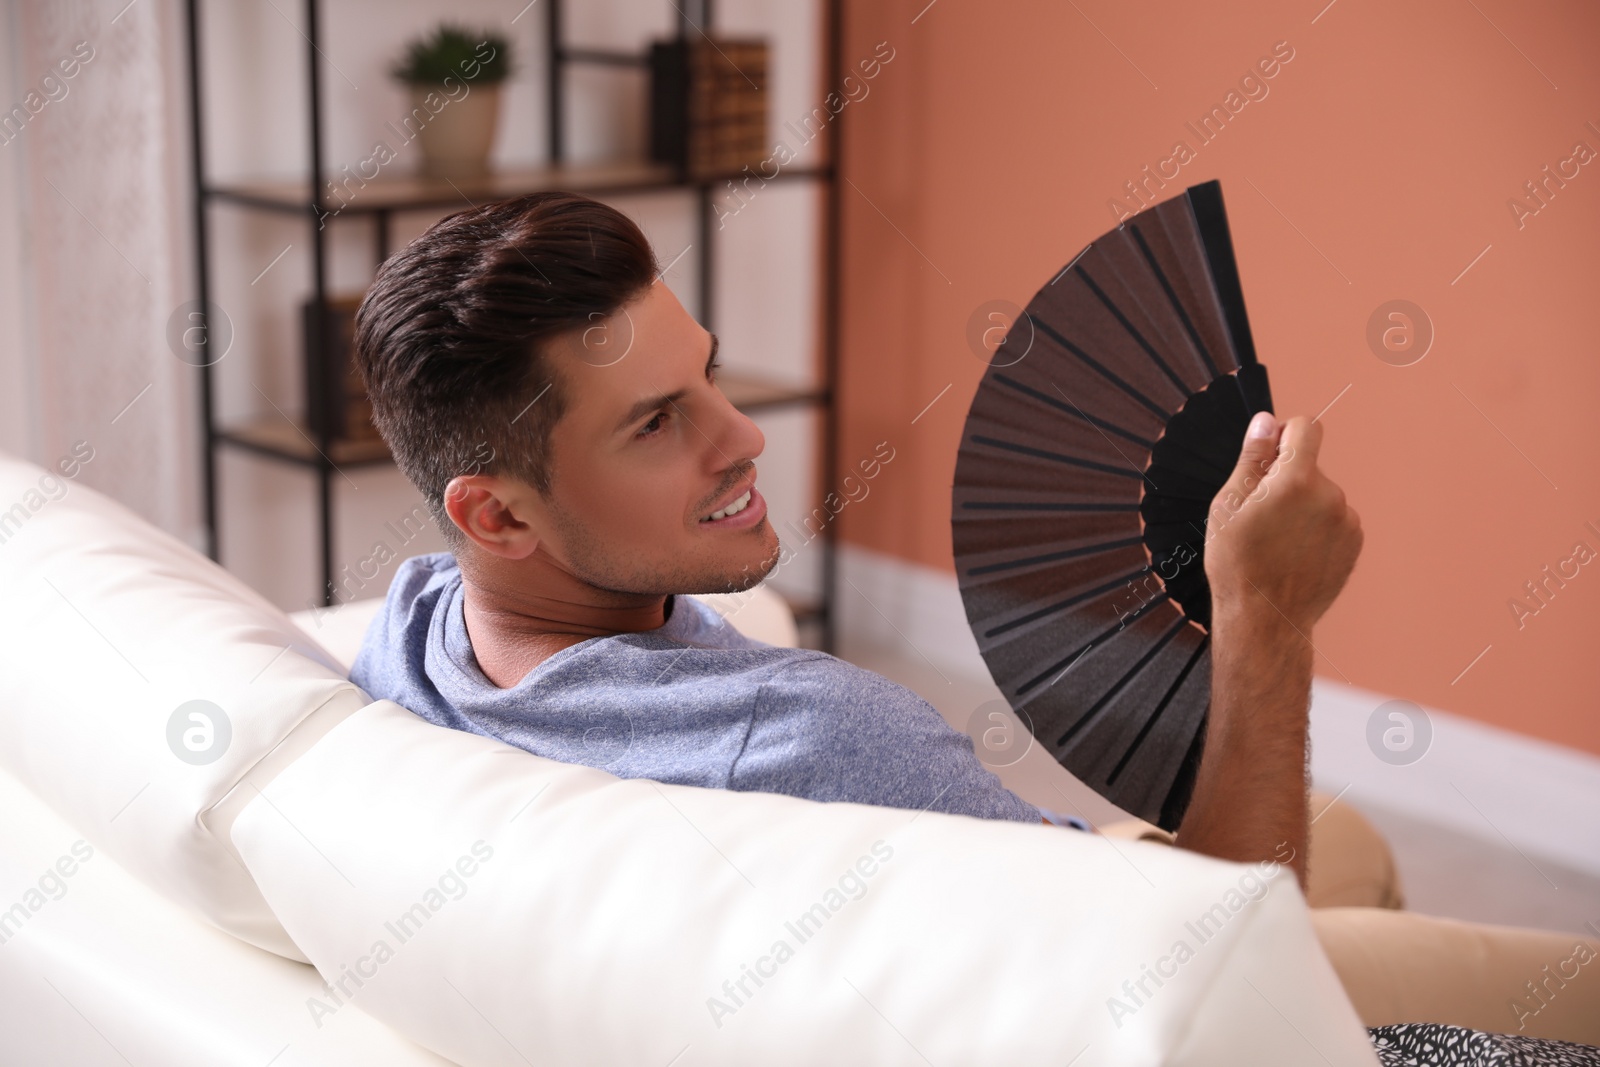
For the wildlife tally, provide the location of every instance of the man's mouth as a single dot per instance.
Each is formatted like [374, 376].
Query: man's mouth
[734, 508]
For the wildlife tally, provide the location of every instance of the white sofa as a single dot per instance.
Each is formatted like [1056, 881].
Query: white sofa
[162, 897]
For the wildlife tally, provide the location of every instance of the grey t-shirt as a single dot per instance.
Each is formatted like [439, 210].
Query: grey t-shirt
[693, 702]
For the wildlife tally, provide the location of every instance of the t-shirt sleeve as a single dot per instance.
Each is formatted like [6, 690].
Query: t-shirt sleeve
[826, 730]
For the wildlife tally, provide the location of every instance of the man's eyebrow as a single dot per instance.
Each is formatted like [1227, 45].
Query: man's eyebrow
[649, 404]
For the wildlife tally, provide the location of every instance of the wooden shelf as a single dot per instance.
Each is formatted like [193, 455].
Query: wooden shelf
[387, 193]
[275, 437]
[282, 439]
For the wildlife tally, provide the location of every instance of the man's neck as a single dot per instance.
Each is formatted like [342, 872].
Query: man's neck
[521, 612]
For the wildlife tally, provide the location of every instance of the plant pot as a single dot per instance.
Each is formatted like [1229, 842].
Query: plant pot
[459, 133]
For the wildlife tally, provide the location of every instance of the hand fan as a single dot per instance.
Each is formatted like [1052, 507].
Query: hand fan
[1106, 422]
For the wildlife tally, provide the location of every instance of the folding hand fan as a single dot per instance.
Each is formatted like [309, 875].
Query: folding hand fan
[1108, 419]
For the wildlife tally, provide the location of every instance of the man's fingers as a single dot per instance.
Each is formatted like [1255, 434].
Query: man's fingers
[1302, 437]
[1259, 450]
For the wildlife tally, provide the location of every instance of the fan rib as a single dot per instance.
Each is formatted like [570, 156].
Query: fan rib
[1211, 223]
[1182, 791]
[1177, 305]
[1150, 654]
[1149, 724]
[1183, 387]
[1042, 505]
[1159, 598]
[1160, 412]
[1058, 457]
[1034, 616]
[1074, 411]
[1052, 557]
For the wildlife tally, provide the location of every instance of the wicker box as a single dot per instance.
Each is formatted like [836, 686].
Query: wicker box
[708, 104]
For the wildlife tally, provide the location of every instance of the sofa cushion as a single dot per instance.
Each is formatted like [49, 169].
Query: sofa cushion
[142, 682]
[98, 968]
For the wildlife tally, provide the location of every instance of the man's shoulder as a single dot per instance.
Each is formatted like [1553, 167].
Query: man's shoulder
[830, 730]
[820, 686]
[717, 664]
[809, 666]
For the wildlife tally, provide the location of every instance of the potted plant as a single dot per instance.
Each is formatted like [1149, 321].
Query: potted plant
[454, 75]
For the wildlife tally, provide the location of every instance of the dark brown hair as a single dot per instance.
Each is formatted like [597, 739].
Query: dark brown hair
[450, 338]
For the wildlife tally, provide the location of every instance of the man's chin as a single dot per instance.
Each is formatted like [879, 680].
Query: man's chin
[746, 577]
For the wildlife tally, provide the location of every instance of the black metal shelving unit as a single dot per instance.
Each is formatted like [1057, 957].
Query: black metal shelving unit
[280, 440]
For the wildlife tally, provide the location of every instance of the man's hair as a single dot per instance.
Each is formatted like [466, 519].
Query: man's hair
[451, 337]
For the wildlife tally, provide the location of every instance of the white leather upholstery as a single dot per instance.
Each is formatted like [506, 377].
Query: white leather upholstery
[110, 626]
[597, 918]
[339, 628]
[109, 972]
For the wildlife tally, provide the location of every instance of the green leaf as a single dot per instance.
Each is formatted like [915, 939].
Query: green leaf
[454, 51]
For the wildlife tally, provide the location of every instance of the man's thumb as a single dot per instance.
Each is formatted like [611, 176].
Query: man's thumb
[1260, 448]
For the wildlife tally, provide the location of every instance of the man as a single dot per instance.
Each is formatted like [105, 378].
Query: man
[559, 411]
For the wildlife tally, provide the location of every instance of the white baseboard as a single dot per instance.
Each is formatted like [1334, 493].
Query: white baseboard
[1504, 788]
[895, 604]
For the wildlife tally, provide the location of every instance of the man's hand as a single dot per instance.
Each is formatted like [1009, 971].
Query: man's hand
[1280, 543]
[1280, 530]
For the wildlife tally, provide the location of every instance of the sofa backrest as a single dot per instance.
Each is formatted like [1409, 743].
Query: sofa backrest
[499, 908]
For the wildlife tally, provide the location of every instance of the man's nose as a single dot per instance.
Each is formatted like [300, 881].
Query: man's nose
[741, 438]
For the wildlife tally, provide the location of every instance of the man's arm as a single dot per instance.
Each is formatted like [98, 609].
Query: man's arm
[1281, 542]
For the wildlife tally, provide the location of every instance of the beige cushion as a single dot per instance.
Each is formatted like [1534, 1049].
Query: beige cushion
[1349, 863]
[1403, 967]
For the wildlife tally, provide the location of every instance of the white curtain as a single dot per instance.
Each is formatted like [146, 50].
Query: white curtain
[94, 248]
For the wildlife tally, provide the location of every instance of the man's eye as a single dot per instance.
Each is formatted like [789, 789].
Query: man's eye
[653, 427]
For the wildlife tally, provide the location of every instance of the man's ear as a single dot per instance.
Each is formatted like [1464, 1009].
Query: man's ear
[496, 514]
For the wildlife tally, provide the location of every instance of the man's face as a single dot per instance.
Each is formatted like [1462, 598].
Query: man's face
[647, 449]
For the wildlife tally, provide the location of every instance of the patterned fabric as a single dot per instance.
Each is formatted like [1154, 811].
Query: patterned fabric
[1437, 1045]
